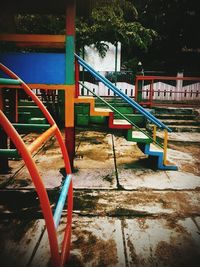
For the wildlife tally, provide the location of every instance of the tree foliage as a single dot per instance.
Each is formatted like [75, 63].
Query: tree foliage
[116, 22]
[177, 24]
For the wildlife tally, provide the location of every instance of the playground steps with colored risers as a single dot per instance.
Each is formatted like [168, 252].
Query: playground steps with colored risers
[155, 154]
[178, 119]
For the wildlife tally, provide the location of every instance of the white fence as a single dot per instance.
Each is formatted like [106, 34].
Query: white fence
[101, 90]
[161, 91]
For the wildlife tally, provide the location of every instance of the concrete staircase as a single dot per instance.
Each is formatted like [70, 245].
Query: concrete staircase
[178, 119]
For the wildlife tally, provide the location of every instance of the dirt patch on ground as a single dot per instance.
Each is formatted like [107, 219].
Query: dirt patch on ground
[93, 250]
[193, 150]
[139, 204]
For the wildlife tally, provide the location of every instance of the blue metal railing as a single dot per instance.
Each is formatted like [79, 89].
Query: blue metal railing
[127, 99]
[61, 200]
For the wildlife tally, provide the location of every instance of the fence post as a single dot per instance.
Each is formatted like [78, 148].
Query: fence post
[151, 94]
[140, 82]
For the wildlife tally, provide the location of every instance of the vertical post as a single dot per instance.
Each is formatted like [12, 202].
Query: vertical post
[151, 94]
[13, 109]
[116, 51]
[4, 167]
[140, 82]
[70, 80]
[136, 89]
[77, 78]
[154, 132]
[165, 147]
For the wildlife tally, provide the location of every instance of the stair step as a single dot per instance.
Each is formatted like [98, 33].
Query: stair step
[184, 128]
[27, 127]
[181, 122]
[175, 116]
[138, 134]
[37, 121]
[173, 110]
[138, 137]
[120, 122]
[26, 103]
[102, 110]
[154, 148]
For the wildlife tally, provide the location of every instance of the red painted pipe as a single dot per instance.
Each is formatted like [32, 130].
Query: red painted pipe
[41, 191]
[56, 260]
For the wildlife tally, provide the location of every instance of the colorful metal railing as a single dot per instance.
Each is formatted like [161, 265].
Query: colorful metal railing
[158, 90]
[131, 102]
[25, 152]
[122, 116]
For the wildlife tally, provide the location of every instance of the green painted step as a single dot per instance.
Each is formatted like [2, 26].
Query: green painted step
[24, 116]
[23, 102]
[27, 127]
[37, 121]
[34, 110]
[137, 119]
[98, 119]
[82, 120]
[82, 109]
[138, 137]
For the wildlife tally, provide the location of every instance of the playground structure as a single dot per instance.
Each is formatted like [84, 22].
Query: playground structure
[55, 71]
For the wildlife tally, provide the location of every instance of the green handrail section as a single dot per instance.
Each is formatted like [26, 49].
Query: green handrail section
[121, 115]
[5, 81]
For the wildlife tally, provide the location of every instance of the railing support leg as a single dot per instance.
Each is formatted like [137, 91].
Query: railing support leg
[165, 147]
[154, 132]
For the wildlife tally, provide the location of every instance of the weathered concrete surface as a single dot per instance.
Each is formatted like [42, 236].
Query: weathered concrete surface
[181, 137]
[97, 242]
[131, 179]
[162, 242]
[125, 214]
[18, 240]
[94, 162]
[137, 203]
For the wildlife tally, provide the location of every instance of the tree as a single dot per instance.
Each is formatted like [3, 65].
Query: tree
[177, 24]
[112, 23]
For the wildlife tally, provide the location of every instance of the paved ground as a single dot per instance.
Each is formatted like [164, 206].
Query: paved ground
[125, 214]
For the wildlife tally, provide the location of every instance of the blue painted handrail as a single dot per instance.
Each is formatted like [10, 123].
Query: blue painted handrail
[127, 99]
[61, 201]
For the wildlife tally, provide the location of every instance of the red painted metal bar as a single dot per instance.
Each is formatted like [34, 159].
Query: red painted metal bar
[41, 191]
[149, 101]
[70, 17]
[140, 77]
[16, 106]
[151, 94]
[49, 222]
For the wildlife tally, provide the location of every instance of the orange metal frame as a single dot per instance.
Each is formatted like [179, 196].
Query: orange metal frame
[25, 152]
[35, 40]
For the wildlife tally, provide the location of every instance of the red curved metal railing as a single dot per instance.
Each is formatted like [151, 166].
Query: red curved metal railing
[56, 258]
